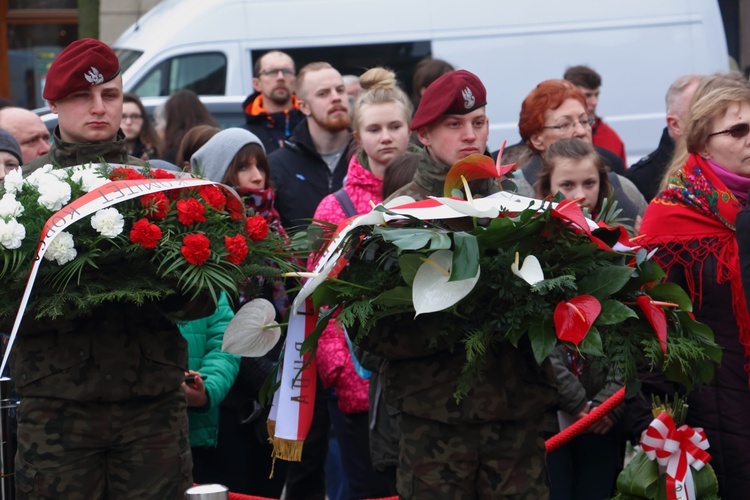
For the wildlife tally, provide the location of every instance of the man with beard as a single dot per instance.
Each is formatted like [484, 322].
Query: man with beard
[314, 161]
[272, 112]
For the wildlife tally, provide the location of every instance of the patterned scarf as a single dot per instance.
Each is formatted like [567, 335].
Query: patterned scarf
[692, 219]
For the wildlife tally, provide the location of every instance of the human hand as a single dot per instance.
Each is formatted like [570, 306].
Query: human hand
[602, 426]
[195, 390]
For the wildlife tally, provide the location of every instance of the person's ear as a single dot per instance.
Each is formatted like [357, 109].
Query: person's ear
[256, 84]
[304, 107]
[674, 126]
[537, 142]
[357, 137]
[423, 136]
[52, 106]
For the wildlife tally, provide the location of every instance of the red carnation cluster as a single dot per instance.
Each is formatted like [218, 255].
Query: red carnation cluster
[196, 248]
[145, 234]
[213, 196]
[237, 248]
[190, 211]
[155, 205]
[125, 174]
[158, 173]
[256, 227]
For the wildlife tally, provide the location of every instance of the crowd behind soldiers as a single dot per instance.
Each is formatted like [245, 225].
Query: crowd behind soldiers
[317, 145]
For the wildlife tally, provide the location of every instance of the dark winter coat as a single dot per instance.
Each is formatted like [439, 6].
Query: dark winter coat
[271, 128]
[648, 172]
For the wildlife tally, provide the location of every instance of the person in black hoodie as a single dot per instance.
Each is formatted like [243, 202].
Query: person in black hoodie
[272, 111]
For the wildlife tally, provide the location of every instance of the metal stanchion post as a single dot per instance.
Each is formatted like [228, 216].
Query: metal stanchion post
[207, 492]
[7, 478]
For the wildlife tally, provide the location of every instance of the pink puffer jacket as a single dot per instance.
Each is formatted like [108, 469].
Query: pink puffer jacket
[334, 360]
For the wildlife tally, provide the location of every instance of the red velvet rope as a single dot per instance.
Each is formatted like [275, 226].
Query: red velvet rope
[581, 425]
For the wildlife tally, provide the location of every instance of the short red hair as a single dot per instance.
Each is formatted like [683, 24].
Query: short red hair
[550, 94]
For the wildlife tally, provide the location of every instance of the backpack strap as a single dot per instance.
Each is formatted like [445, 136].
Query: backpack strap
[346, 202]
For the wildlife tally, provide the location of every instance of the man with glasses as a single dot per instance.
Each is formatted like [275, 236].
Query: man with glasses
[272, 111]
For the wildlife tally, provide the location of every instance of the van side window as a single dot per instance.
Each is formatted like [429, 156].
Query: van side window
[204, 73]
[401, 57]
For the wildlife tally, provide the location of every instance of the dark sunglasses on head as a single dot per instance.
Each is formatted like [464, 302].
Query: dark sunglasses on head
[737, 131]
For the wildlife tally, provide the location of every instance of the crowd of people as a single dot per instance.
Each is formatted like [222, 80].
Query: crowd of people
[112, 415]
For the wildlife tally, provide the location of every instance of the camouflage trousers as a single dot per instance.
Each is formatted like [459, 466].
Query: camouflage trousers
[95, 450]
[498, 460]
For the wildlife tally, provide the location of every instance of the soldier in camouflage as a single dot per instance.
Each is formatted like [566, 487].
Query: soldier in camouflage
[102, 412]
[491, 443]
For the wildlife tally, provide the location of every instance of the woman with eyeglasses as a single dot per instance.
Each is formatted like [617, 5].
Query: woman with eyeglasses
[696, 225]
[555, 110]
[141, 138]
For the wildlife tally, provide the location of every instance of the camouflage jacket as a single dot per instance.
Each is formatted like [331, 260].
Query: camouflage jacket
[66, 154]
[422, 375]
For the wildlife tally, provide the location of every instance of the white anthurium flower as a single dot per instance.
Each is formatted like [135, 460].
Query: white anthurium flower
[11, 234]
[252, 332]
[108, 222]
[431, 290]
[61, 249]
[14, 181]
[530, 271]
[481, 207]
[89, 178]
[53, 193]
[398, 201]
[10, 207]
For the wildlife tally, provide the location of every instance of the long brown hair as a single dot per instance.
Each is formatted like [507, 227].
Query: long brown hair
[248, 152]
[148, 136]
[183, 111]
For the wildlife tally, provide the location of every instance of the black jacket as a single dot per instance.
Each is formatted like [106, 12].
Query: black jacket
[271, 128]
[648, 172]
[302, 178]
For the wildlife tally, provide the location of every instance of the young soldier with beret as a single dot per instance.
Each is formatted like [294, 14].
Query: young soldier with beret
[102, 413]
[490, 444]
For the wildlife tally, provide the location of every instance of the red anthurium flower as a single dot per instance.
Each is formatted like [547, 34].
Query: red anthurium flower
[476, 166]
[656, 316]
[570, 211]
[573, 319]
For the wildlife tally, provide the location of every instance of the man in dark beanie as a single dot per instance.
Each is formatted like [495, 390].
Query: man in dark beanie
[103, 413]
[10, 153]
[84, 88]
[490, 444]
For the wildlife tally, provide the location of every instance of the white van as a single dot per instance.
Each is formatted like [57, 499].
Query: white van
[639, 47]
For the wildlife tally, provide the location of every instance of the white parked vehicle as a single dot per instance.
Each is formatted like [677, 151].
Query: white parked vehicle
[639, 47]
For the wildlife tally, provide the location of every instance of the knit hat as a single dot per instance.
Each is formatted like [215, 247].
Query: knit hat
[82, 64]
[455, 93]
[213, 158]
[9, 144]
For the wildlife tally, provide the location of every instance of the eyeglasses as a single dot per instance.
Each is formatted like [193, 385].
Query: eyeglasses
[134, 117]
[567, 126]
[275, 71]
[737, 131]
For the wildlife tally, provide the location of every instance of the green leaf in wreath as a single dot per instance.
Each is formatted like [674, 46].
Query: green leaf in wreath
[395, 297]
[592, 343]
[672, 292]
[703, 334]
[465, 256]
[409, 263]
[614, 312]
[543, 338]
[415, 238]
[605, 281]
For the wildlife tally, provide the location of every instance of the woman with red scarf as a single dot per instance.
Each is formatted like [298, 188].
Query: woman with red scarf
[692, 224]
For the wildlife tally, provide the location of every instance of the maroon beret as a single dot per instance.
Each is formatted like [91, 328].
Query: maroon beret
[454, 93]
[83, 64]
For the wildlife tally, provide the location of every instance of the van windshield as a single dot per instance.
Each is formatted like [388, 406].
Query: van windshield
[127, 57]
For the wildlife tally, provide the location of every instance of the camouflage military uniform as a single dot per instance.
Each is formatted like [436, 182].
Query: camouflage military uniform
[102, 413]
[491, 443]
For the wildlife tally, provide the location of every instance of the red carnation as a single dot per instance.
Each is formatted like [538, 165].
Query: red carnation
[158, 173]
[155, 205]
[237, 248]
[190, 211]
[256, 227]
[235, 208]
[195, 248]
[213, 196]
[145, 234]
[125, 174]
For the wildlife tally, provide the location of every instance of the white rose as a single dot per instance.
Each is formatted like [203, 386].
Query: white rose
[61, 249]
[9, 206]
[90, 179]
[11, 234]
[53, 193]
[14, 181]
[108, 222]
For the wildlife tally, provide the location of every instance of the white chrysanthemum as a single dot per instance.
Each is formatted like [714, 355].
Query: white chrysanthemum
[10, 206]
[60, 173]
[62, 250]
[108, 222]
[14, 181]
[53, 193]
[35, 176]
[90, 179]
[11, 234]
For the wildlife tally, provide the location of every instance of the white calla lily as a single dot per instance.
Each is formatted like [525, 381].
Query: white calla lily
[530, 271]
[252, 332]
[431, 290]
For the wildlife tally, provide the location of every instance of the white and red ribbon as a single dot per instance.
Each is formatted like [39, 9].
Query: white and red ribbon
[676, 450]
[106, 195]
